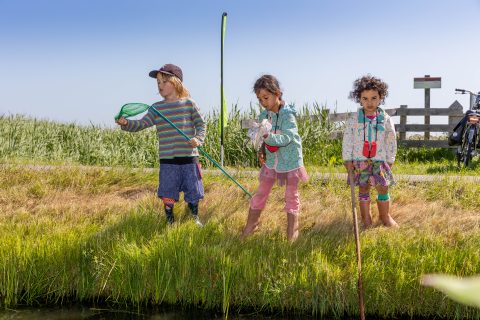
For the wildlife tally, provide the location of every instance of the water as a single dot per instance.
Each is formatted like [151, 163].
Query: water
[87, 313]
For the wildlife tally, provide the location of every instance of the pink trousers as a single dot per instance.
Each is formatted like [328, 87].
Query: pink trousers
[268, 177]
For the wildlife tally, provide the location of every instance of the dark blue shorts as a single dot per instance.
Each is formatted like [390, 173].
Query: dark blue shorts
[176, 178]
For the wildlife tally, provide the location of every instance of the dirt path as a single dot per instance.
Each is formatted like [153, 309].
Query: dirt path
[251, 173]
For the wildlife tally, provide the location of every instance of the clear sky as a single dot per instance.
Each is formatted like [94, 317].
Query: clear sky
[80, 61]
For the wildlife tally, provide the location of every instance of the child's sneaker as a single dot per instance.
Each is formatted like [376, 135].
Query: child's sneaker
[197, 221]
[194, 211]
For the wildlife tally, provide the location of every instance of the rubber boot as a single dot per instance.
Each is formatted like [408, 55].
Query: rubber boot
[194, 211]
[252, 222]
[365, 213]
[292, 226]
[383, 212]
[169, 214]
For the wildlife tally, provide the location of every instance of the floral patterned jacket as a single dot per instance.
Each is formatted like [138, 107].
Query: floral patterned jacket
[284, 134]
[380, 129]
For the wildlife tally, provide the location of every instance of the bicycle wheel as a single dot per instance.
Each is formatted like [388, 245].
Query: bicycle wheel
[467, 160]
[471, 138]
[459, 156]
[473, 143]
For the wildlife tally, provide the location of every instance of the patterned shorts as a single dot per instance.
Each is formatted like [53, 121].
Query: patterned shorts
[373, 173]
[176, 178]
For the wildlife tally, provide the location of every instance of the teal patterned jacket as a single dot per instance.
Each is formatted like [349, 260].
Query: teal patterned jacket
[284, 134]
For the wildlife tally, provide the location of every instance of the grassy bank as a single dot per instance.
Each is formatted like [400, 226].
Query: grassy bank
[91, 234]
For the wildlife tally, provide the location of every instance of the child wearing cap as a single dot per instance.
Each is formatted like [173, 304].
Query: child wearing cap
[369, 147]
[283, 160]
[179, 166]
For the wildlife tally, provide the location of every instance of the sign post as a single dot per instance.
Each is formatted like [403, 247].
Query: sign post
[427, 83]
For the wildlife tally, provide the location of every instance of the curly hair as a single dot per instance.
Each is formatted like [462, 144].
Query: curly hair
[368, 82]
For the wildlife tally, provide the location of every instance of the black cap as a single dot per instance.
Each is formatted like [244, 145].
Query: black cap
[170, 69]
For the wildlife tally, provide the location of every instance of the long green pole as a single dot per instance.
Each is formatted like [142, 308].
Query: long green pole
[222, 100]
[202, 151]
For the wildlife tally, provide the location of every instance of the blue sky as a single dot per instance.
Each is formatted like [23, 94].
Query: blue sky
[80, 61]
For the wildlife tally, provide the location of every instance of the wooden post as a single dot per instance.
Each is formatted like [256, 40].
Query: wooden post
[427, 106]
[427, 83]
[403, 121]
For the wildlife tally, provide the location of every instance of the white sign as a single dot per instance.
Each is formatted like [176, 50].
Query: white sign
[427, 83]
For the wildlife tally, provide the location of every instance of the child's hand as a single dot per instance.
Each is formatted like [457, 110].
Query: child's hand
[261, 158]
[348, 165]
[262, 155]
[122, 121]
[194, 142]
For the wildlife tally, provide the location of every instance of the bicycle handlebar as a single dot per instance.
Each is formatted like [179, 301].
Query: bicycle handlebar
[463, 91]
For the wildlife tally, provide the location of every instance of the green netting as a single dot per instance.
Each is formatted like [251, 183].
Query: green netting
[131, 109]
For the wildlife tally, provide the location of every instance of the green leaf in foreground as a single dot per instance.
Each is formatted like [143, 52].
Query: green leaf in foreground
[463, 290]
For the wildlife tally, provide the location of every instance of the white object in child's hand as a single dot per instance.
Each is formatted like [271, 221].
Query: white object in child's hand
[257, 131]
[265, 127]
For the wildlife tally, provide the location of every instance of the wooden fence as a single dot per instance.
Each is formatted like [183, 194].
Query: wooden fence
[454, 113]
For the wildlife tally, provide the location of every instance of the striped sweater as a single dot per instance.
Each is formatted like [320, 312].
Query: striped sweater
[185, 114]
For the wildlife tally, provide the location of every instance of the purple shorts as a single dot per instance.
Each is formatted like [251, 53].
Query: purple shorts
[176, 178]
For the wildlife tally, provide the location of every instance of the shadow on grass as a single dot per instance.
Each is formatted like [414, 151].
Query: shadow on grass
[424, 154]
[453, 167]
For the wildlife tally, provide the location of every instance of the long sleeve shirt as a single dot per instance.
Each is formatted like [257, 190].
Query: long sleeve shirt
[184, 114]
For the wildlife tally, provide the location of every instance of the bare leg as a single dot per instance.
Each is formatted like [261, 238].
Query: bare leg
[384, 209]
[365, 207]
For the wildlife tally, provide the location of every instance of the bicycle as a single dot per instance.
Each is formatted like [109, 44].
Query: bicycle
[470, 133]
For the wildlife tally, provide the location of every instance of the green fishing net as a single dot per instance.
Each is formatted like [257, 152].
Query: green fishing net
[131, 109]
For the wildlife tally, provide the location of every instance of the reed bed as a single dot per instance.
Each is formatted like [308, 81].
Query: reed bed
[24, 139]
[80, 234]
[46, 141]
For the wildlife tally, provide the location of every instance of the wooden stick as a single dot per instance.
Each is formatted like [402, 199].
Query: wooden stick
[357, 244]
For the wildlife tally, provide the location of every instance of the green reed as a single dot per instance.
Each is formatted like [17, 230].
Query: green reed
[46, 141]
[24, 139]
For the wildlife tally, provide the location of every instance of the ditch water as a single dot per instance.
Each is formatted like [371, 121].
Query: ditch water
[87, 313]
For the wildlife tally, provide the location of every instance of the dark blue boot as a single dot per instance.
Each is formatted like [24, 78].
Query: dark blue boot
[169, 214]
[194, 210]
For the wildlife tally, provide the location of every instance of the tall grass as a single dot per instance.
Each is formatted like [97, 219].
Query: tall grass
[42, 140]
[26, 138]
[73, 234]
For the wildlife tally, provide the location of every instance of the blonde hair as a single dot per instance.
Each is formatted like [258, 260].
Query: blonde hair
[177, 84]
